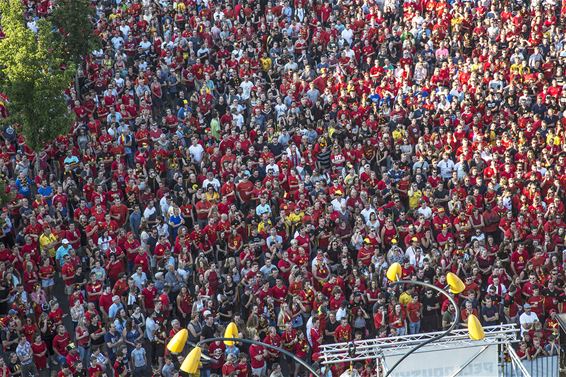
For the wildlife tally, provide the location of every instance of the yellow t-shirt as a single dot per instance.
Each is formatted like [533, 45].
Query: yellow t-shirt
[405, 298]
[295, 218]
[45, 240]
[398, 134]
[262, 226]
[212, 197]
[415, 198]
[265, 63]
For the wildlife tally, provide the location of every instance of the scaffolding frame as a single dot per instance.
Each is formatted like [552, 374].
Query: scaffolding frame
[380, 348]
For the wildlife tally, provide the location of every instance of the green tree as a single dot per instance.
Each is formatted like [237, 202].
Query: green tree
[74, 22]
[31, 75]
[5, 197]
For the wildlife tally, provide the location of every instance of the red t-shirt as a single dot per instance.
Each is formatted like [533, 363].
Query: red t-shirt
[228, 369]
[279, 293]
[68, 271]
[93, 288]
[105, 301]
[60, 343]
[414, 309]
[40, 361]
[256, 350]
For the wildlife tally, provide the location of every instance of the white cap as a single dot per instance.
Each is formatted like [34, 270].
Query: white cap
[65, 241]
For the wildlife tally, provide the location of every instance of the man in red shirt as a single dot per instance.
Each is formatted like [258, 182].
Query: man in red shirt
[279, 292]
[414, 311]
[93, 289]
[149, 293]
[230, 369]
[272, 338]
[68, 273]
[60, 343]
[119, 212]
[257, 356]
[343, 332]
[142, 260]
[72, 358]
[244, 189]
[519, 259]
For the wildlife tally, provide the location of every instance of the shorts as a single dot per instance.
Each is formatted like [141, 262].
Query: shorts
[46, 283]
[69, 289]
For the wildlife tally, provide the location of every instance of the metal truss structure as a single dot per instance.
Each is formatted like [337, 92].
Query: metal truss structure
[378, 349]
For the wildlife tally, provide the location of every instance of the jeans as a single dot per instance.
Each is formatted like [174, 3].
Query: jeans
[29, 370]
[84, 354]
[259, 371]
[402, 331]
[141, 371]
[414, 327]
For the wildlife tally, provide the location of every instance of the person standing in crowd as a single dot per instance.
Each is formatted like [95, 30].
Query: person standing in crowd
[266, 163]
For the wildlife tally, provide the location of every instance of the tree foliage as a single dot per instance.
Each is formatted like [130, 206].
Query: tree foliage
[31, 75]
[5, 196]
[76, 37]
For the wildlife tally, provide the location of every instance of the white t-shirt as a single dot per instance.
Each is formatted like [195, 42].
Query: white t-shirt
[125, 30]
[347, 35]
[214, 182]
[366, 213]
[446, 167]
[246, 89]
[426, 212]
[197, 152]
[527, 319]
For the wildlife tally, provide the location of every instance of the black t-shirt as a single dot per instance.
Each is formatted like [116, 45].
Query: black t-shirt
[330, 327]
[429, 301]
[208, 332]
[10, 335]
[440, 194]
[91, 330]
[429, 273]
[488, 312]
[14, 367]
[225, 309]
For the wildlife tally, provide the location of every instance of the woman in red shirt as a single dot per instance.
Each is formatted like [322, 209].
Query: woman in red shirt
[397, 320]
[301, 350]
[39, 349]
[46, 273]
[414, 312]
[184, 306]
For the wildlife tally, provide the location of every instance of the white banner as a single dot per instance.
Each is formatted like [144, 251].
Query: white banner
[476, 361]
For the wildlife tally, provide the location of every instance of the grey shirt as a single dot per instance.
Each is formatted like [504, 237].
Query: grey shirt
[138, 357]
[167, 370]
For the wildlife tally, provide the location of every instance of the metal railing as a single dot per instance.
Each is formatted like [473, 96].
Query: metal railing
[505, 337]
[512, 366]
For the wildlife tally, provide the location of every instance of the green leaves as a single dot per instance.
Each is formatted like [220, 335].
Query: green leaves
[30, 66]
[75, 32]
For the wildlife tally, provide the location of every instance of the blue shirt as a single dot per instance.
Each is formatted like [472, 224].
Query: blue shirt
[114, 309]
[71, 160]
[62, 251]
[262, 208]
[138, 357]
[112, 338]
[24, 187]
[45, 191]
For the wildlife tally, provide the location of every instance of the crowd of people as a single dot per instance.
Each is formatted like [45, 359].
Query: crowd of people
[265, 161]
